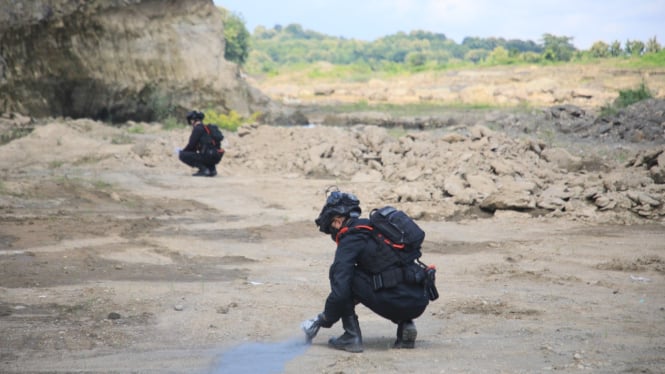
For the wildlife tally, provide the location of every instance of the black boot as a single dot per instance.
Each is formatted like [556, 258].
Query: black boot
[213, 171]
[406, 335]
[204, 172]
[351, 340]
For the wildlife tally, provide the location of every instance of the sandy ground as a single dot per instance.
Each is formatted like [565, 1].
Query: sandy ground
[114, 259]
[112, 263]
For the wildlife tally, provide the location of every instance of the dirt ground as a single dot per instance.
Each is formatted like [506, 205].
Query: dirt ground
[114, 259]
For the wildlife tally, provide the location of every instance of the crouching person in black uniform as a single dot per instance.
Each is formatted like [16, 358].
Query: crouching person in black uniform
[198, 153]
[358, 257]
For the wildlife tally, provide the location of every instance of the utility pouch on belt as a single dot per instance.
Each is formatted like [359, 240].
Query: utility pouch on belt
[387, 279]
[414, 274]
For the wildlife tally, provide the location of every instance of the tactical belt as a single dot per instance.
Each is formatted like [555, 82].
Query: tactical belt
[387, 279]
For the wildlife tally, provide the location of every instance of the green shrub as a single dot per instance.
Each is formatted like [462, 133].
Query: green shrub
[626, 98]
[15, 133]
[136, 129]
[171, 122]
[123, 138]
[237, 37]
[230, 122]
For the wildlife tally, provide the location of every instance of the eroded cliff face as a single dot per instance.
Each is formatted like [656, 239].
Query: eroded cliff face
[117, 59]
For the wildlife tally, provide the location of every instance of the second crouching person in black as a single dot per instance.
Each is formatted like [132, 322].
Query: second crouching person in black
[202, 150]
[358, 258]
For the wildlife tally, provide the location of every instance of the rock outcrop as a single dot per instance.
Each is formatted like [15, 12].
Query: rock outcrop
[116, 60]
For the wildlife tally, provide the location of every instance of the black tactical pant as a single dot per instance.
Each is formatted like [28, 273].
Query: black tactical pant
[403, 302]
[197, 160]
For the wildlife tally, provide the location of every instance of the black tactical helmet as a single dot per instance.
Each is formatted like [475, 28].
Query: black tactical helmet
[337, 204]
[194, 115]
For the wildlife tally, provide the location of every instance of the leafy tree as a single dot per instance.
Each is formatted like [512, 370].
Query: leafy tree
[522, 46]
[262, 62]
[261, 32]
[634, 47]
[476, 55]
[237, 37]
[615, 49]
[416, 59]
[653, 46]
[600, 49]
[531, 57]
[499, 56]
[558, 48]
[479, 43]
[426, 35]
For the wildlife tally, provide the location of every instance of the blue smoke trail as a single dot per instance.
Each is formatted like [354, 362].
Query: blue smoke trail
[259, 358]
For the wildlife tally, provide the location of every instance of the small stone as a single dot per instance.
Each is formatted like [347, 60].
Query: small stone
[114, 315]
[179, 307]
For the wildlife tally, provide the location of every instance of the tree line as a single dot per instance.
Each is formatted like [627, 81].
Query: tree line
[268, 49]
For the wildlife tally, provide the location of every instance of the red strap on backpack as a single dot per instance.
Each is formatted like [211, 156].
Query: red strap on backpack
[205, 127]
[345, 229]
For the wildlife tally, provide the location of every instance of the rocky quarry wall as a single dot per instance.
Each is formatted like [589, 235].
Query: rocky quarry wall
[116, 60]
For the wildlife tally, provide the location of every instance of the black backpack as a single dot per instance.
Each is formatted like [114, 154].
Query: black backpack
[398, 230]
[394, 229]
[212, 146]
[215, 134]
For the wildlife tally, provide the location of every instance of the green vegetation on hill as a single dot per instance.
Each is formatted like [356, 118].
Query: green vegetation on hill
[269, 50]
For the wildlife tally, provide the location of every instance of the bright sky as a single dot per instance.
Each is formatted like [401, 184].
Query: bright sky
[586, 21]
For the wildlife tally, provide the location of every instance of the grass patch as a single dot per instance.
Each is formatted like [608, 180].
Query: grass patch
[123, 138]
[101, 185]
[629, 97]
[648, 60]
[397, 132]
[86, 160]
[415, 109]
[15, 133]
[626, 98]
[136, 129]
[55, 164]
[79, 184]
[171, 123]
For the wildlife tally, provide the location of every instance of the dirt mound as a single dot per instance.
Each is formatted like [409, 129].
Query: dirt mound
[435, 174]
[441, 174]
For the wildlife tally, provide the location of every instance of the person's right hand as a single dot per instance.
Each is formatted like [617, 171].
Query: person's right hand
[311, 328]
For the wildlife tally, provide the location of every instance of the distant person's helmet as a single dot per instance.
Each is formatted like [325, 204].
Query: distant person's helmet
[194, 115]
[337, 204]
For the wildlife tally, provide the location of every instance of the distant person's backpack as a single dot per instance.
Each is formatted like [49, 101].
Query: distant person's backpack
[395, 230]
[212, 146]
[216, 135]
